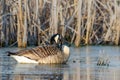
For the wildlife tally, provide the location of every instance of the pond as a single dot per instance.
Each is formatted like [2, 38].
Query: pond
[82, 65]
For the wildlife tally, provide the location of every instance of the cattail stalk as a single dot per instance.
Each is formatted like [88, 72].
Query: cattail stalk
[20, 25]
[25, 25]
[54, 17]
[88, 24]
[78, 26]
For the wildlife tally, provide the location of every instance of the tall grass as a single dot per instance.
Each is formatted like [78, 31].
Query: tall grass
[32, 22]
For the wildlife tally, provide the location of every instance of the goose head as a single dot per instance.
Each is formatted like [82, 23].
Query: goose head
[59, 41]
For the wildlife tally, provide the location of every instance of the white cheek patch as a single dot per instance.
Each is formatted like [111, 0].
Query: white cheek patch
[56, 38]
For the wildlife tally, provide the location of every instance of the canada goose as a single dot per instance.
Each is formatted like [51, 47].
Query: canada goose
[56, 53]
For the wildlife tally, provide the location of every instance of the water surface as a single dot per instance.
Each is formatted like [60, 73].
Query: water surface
[82, 65]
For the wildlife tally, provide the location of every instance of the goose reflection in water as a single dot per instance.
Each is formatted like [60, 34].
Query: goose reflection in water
[36, 72]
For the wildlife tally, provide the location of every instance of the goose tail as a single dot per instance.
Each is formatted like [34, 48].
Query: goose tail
[10, 53]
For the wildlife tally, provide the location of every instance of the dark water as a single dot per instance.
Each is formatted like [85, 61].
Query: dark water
[82, 65]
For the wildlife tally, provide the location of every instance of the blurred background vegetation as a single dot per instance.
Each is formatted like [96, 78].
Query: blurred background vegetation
[81, 22]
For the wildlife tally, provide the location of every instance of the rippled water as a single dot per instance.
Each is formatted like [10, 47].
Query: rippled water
[82, 65]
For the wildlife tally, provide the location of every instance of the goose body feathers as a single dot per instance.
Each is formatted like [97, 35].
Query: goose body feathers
[42, 54]
[56, 52]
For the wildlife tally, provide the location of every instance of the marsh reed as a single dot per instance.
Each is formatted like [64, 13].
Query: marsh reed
[81, 22]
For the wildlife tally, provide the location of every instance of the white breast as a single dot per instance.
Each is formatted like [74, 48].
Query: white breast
[66, 49]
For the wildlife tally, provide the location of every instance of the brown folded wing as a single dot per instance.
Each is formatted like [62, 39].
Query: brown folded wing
[39, 52]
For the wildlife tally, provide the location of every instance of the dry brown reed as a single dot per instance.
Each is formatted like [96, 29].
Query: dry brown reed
[32, 22]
